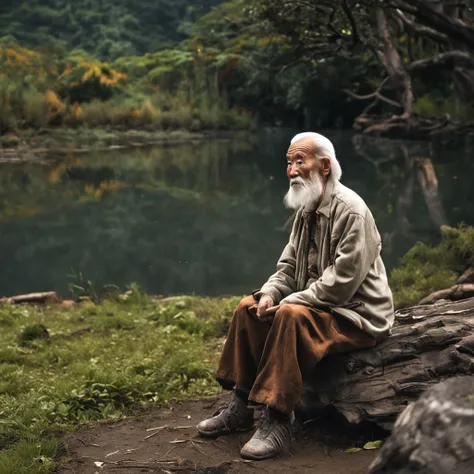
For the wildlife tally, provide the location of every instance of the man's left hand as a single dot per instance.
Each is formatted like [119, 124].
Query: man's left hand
[269, 313]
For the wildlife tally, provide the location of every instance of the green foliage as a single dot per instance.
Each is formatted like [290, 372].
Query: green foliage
[157, 92]
[93, 368]
[430, 106]
[33, 332]
[207, 317]
[425, 269]
[104, 28]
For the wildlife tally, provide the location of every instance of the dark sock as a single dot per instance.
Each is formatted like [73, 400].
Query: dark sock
[244, 396]
[278, 415]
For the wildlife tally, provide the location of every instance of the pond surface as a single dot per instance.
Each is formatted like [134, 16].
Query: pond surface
[205, 217]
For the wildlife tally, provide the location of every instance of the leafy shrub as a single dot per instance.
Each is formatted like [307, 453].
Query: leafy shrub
[425, 269]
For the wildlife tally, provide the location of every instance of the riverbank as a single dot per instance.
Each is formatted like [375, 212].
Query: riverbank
[80, 140]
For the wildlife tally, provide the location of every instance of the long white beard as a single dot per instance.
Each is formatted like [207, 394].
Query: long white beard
[304, 192]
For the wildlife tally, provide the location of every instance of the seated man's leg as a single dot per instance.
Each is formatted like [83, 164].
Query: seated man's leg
[298, 339]
[237, 368]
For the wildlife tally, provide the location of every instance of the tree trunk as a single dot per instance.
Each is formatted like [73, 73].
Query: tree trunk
[428, 344]
[390, 59]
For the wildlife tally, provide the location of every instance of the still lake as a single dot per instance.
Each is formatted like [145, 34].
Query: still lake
[203, 217]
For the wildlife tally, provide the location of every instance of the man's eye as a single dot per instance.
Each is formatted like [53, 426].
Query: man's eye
[299, 162]
[288, 163]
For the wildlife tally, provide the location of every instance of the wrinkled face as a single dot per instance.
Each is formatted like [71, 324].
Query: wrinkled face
[307, 174]
[301, 159]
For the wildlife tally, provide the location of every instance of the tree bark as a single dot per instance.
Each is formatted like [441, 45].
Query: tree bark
[390, 59]
[428, 344]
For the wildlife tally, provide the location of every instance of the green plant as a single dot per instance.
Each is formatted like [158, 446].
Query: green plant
[33, 332]
[425, 269]
[100, 362]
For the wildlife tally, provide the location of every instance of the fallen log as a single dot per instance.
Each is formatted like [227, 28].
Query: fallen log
[428, 344]
[415, 127]
[434, 434]
[45, 297]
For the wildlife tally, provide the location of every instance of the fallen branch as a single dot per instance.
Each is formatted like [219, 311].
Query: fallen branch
[466, 277]
[456, 292]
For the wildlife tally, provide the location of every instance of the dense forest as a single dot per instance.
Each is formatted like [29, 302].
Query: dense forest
[197, 65]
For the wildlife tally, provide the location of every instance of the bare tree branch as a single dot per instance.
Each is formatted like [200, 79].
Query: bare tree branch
[443, 60]
[421, 30]
[376, 94]
[455, 28]
[350, 17]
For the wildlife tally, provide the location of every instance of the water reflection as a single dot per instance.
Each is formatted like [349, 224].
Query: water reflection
[202, 218]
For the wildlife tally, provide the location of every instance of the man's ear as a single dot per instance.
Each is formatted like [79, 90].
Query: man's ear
[325, 164]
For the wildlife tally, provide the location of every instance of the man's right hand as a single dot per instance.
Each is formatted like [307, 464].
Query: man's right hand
[265, 302]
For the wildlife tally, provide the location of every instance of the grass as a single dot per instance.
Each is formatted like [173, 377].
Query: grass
[61, 368]
[428, 106]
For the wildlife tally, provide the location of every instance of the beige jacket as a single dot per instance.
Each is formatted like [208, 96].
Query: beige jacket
[347, 274]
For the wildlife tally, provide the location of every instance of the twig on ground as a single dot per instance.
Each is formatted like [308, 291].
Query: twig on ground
[157, 428]
[194, 445]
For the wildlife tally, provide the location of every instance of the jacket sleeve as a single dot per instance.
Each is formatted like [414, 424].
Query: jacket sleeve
[282, 282]
[357, 249]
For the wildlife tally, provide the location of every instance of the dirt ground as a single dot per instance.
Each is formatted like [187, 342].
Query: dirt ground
[131, 446]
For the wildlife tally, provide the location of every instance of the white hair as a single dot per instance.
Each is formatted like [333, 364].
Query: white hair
[325, 150]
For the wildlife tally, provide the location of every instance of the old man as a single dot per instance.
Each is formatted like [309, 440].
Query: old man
[329, 295]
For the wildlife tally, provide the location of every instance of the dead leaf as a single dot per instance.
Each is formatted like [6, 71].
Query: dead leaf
[352, 450]
[373, 444]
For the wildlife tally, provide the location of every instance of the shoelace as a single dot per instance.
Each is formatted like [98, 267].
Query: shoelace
[266, 425]
[220, 409]
[272, 426]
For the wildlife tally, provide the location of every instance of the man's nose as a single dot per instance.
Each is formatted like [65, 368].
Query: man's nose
[293, 171]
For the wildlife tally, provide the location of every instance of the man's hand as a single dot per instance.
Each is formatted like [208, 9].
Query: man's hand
[266, 308]
[266, 301]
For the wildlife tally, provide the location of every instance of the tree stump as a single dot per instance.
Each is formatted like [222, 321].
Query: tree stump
[433, 435]
[428, 344]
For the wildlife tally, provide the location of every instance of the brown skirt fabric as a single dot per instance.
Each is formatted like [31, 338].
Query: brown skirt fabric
[270, 360]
